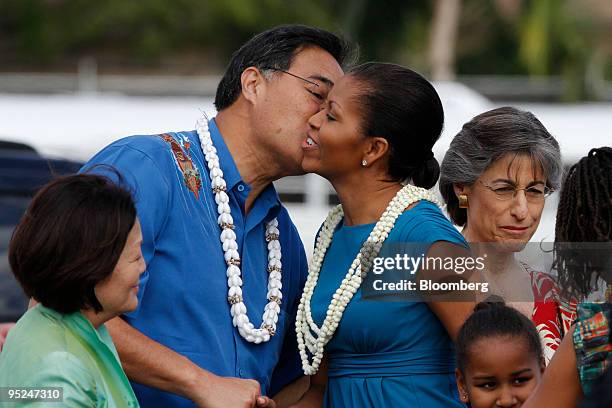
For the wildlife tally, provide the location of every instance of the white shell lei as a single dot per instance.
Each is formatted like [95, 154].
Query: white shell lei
[238, 309]
[312, 338]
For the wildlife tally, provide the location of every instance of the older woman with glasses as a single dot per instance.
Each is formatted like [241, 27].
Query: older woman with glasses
[494, 178]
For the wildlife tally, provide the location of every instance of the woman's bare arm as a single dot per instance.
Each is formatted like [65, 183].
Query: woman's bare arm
[313, 398]
[560, 386]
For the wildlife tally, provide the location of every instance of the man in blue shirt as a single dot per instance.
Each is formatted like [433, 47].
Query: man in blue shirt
[181, 346]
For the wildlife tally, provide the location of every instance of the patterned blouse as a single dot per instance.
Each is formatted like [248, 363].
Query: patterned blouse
[551, 316]
[592, 342]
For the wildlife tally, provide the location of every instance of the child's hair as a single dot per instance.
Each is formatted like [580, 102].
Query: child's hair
[494, 319]
[584, 215]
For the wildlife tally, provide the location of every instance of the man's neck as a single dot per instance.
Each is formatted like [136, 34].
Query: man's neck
[256, 166]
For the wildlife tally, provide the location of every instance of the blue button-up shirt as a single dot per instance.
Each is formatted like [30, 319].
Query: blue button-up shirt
[183, 293]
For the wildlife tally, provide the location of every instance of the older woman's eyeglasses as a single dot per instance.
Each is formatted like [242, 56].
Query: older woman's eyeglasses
[505, 191]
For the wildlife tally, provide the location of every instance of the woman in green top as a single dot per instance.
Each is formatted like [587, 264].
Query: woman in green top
[77, 252]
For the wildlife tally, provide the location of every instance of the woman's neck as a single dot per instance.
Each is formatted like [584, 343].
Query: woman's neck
[364, 202]
[96, 319]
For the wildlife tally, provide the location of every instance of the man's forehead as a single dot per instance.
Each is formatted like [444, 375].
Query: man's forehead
[316, 63]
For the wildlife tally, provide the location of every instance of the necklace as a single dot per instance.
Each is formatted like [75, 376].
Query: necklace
[312, 338]
[238, 309]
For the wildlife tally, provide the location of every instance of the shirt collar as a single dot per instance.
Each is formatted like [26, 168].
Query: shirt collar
[268, 197]
[79, 324]
[226, 161]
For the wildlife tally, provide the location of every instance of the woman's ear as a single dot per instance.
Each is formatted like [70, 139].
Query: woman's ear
[463, 394]
[375, 149]
[461, 189]
[251, 81]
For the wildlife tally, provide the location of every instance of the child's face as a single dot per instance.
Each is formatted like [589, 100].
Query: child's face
[500, 372]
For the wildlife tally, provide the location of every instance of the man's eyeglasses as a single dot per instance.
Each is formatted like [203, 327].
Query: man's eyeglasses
[289, 73]
[505, 191]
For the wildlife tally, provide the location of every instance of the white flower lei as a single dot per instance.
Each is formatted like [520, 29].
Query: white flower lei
[238, 310]
[309, 335]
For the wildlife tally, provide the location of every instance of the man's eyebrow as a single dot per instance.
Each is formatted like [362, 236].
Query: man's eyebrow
[323, 79]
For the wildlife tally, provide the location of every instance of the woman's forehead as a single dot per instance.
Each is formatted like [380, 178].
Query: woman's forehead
[516, 167]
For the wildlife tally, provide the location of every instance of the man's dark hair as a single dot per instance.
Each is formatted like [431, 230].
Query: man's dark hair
[275, 48]
[69, 239]
[495, 319]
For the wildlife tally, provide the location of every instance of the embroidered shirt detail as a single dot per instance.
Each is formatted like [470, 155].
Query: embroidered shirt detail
[191, 175]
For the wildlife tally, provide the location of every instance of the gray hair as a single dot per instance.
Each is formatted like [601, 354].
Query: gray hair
[488, 137]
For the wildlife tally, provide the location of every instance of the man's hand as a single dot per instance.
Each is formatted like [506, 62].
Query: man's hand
[229, 392]
[4, 329]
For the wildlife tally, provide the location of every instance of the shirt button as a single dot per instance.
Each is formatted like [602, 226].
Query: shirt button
[240, 372]
[240, 188]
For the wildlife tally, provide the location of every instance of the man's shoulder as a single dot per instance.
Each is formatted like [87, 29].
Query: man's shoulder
[151, 144]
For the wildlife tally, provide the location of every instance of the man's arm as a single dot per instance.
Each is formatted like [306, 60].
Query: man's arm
[150, 363]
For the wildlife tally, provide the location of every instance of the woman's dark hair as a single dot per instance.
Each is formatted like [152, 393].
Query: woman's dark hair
[484, 140]
[275, 48]
[404, 108]
[584, 217]
[495, 320]
[69, 239]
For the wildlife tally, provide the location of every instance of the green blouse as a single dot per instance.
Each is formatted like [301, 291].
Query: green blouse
[50, 349]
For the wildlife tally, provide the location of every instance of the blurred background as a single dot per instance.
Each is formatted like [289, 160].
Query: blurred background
[77, 74]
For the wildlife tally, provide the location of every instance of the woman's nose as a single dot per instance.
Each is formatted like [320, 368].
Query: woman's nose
[315, 120]
[520, 207]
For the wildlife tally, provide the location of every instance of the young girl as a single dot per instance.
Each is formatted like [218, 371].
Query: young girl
[499, 357]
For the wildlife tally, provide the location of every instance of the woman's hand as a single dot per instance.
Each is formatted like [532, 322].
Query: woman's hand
[265, 402]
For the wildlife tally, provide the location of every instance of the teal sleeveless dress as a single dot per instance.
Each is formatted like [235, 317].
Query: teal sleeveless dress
[387, 353]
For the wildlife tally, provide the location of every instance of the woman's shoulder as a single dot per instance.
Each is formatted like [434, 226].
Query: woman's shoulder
[425, 222]
[42, 332]
[36, 353]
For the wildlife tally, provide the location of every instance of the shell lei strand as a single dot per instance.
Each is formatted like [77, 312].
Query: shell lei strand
[238, 309]
[312, 338]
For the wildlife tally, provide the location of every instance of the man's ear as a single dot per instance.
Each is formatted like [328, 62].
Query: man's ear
[251, 81]
[375, 149]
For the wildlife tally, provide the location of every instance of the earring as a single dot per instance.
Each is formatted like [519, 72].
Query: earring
[463, 201]
[364, 163]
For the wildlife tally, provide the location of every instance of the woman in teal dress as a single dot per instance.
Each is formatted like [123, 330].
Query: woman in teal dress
[374, 135]
[77, 252]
